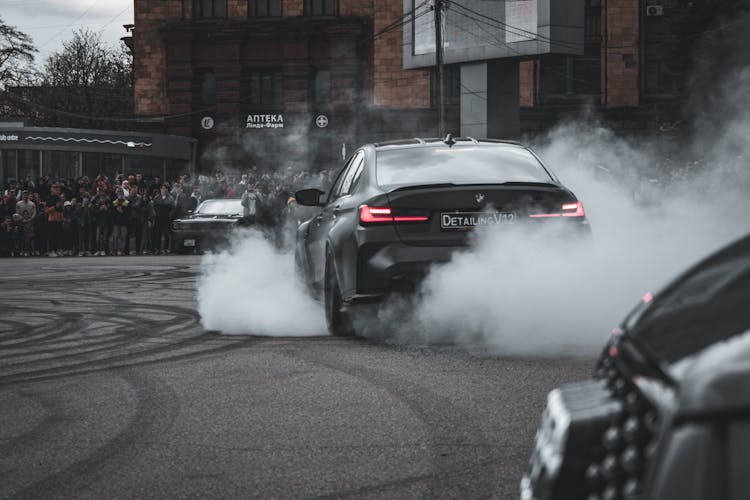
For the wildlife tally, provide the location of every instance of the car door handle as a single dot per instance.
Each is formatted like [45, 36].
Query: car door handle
[336, 210]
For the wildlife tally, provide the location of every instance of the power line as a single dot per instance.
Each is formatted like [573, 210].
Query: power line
[54, 37]
[492, 39]
[114, 18]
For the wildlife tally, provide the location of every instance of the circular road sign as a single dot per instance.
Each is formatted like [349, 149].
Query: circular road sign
[321, 121]
[207, 122]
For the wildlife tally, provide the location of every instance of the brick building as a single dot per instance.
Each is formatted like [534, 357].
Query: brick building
[260, 80]
[638, 62]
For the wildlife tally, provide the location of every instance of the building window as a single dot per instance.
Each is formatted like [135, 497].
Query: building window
[265, 8]
[263, 88]
[322, 86]
[322, 7]
[574, 78]
[209, 9]
[204, 90]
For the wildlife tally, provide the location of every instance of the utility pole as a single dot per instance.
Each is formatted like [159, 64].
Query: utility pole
[439, 65]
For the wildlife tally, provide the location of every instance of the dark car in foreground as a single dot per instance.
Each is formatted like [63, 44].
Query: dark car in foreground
[667, 412]
[396, 208]
[208, 227]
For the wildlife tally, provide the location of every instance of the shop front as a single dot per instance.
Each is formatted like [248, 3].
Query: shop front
[33, 152]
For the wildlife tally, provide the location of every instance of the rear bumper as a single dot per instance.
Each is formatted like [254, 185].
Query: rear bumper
[386, 264]
[200, 239]
[395, 268]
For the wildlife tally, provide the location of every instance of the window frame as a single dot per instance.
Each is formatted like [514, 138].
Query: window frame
[310, 10]
[253, 10]
[276, 101]
[198, 12]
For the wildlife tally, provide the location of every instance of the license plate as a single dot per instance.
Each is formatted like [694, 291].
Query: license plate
[466, 220]
[188, 243]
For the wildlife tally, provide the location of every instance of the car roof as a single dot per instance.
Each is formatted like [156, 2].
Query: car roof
[436, 141]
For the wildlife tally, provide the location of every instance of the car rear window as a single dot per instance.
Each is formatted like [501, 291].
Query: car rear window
[458, 165]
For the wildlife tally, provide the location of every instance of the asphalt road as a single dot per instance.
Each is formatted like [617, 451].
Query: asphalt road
[110, 388]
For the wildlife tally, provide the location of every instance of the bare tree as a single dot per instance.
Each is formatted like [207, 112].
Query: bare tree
[86, 84]
[16, 55]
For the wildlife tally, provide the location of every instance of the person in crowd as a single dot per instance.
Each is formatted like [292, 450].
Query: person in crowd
[195, 198]
[55, 219]
[125, 188]
[41, 238]
[7, 238]
[182, 202]
[4, 208]
[11, 200]
[26, 206]
[26, 236]
[102, 222]
[43, 188]
[85, 227]
[147, 221]
[164, 206]
[69, 227]
[135, 224]
[156, 184]
[251, 200]
[120, 219]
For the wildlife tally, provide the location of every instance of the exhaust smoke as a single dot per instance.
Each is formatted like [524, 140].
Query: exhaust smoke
[250, 289]
[531, 294]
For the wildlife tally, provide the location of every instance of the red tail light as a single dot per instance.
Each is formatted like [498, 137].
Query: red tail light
[383, 215]
[568, 210]
[573, 210]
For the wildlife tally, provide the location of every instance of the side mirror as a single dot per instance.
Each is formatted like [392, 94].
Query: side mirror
[309, 197]
[190, 212]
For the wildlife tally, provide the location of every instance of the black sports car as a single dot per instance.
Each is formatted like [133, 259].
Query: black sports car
[208, 227]
[667, 413]
[398, 207]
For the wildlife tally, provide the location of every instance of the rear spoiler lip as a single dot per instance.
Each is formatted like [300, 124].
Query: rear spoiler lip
[479, 184]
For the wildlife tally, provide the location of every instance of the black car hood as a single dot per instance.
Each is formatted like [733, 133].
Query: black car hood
[716, 379]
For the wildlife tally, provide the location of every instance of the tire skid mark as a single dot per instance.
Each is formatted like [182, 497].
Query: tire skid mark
[41, 335]
[157, 407]
[452, 425]
[103, 343]
[104, 362]
[133, 332]
[53, 414]
[115, 340]
[12, 331]
[88, 370]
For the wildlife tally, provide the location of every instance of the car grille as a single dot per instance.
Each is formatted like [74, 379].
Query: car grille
[627, 442]
[594, 440]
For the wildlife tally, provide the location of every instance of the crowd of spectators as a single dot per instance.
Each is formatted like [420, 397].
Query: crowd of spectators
[125, 215]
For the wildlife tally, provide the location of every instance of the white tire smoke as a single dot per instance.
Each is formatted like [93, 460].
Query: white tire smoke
[250, 289]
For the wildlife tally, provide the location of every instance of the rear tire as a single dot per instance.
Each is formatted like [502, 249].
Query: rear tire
[339, 323]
